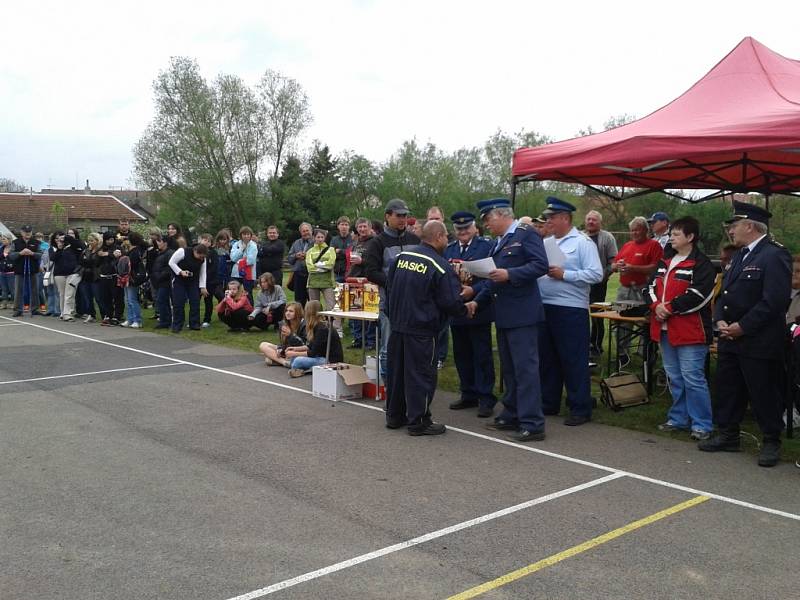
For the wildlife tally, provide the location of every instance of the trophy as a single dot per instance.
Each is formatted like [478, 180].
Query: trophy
[337, 296]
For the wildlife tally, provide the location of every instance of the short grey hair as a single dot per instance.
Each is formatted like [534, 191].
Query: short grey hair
[595, 213]
[503, 211]
[758, 226]
[304, 224]
[637, 222]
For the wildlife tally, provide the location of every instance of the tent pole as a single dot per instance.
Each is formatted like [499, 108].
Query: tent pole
[513, 191]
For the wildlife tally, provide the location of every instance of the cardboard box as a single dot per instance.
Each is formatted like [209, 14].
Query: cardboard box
[338, 381]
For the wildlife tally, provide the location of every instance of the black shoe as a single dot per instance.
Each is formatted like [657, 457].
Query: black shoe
[575, 420]
[722, 441]
[500, 425]
[485, 412]
[523, 435]
[462, 404]
[396, 424]
[16, 313]
[428, 429]
[770, 453]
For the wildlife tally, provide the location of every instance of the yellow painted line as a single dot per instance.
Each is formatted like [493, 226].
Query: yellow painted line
[575, 550]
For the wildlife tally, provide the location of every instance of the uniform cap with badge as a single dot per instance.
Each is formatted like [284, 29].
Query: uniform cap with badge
[462, 219]
[557, 205]
[486, 206]
[751, 212]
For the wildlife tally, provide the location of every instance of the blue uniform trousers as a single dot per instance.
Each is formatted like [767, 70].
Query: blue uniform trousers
[411, 380]
[564, 352]
[472, 352]
[163, 306]
[183, 289]
[519, 356]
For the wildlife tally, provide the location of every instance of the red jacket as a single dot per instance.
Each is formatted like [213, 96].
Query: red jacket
[686, 292]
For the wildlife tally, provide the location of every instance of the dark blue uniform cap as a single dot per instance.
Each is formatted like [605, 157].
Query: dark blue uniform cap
[484, 206]
[462, 219]
[556, 205]
[743, 210]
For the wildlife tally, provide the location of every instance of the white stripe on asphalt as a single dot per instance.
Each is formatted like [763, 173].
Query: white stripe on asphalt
[357, 560]
[172, 364]
[735, 501]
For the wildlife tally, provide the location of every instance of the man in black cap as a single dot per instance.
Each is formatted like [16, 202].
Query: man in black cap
[750, 315]
[25, 256]
[472, 338]
[379, 256]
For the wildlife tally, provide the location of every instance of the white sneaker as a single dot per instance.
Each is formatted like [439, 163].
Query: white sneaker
[206, 325]
[89, 319]
[135, 325]
[125, 324]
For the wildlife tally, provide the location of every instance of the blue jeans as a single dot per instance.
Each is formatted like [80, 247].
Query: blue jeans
[53, 300]
[358, 327]
[6, 287]
[85, 299]
[685, 368]
[134, 313]
[306, 362]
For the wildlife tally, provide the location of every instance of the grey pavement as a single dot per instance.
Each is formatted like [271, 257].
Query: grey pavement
[185, 482]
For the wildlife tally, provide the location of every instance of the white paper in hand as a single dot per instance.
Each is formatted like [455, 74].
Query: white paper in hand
[479, 268]
[555, 257]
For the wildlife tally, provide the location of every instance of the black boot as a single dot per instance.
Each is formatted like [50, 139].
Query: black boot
[770, 452]
[726, 440]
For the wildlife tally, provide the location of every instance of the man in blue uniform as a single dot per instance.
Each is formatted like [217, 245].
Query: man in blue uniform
[472, 338]
[422, 290]
[564, 336]
[520, 260]
[750, 315]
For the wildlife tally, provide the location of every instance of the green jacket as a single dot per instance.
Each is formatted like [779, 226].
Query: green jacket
[320, 277]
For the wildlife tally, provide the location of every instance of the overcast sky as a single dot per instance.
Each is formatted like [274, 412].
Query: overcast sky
[75, 77]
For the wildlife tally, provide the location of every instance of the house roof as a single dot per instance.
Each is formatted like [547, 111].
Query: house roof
[19, 209]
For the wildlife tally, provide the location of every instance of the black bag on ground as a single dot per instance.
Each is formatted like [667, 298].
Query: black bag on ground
[622, 390]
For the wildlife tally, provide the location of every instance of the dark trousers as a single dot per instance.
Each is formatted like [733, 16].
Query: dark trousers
[411, 379]
[472, 353]
[164, 306]
[85, 303]
[20, 283]
[278, 277]
[597, 293]
[263, 322]
[519, 356]
[300, 281]
[442, 342]
[215, 290]
[102, 297]
[564, 359]
[117, 301]
[740, 379]
[183, 290]
[236, 319]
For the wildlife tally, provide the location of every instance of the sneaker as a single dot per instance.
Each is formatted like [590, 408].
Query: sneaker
[439, 365]
[135, 325]
[297, 372]
[205, 325]
[699, 436]
[68, 318]
[125, 323]
[114, 322]
[89, 319]
[341, 333]
[672, 427]
[42, 308]
[106, 322]
[770, 453]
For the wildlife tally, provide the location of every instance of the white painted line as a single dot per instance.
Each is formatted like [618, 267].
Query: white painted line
[172, 364]
[533, 449]
[357, 560]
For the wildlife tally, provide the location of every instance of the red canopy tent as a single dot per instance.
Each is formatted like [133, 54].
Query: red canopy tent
[735, 130]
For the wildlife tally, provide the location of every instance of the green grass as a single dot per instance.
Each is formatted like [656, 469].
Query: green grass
[640, 418]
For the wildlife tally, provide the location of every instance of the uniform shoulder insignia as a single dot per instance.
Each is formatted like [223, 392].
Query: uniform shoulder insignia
[523, 226]
[775, 242]
[453, 243]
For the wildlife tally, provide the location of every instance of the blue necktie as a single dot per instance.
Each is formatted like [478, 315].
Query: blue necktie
[499, 243]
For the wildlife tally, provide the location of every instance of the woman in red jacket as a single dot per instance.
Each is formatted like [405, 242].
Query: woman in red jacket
[235, 307]
[680, 309]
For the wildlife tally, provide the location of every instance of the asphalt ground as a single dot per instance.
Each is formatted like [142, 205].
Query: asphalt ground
[135, 465]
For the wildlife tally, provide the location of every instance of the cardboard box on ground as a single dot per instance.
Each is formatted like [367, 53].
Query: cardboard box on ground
[338, 381]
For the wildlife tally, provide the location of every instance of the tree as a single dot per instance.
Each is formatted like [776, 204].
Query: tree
[58, 216]
[11, 186]
[286, 110]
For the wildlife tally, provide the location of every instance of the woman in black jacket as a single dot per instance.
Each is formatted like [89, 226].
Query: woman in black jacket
[65, 253]
[90, 266]
[161, 282]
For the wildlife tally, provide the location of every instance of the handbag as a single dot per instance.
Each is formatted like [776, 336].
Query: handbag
[47, 279]
[622, 390]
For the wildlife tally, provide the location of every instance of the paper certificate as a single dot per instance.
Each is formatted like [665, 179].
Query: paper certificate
[479, 268]
[555, 257]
